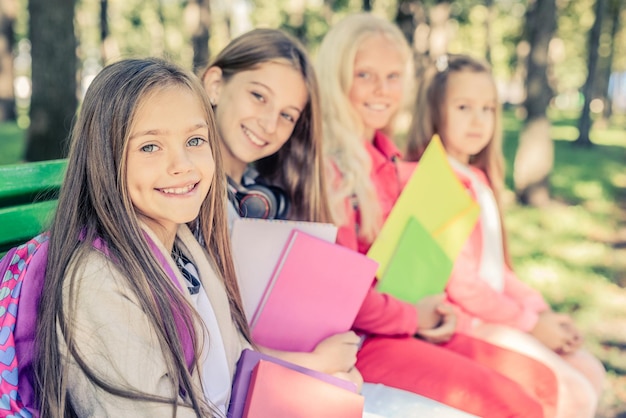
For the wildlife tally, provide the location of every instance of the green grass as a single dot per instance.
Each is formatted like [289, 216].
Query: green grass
[574, 250]
[12, 144]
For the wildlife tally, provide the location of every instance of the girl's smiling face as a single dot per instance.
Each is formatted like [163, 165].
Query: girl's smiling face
[256, 111]
[468, 113]
[169, 162]
[377, 82]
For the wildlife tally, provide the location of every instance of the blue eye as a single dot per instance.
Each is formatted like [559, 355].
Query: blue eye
[149, 148]
[196, 142]
[258, 96]
[288, 117]
[363, 74]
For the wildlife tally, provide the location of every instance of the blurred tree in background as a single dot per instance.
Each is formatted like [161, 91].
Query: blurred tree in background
[606, 52]
[53, 56]
[8, 14]
[198, 14]
[584, 122]
[535, 155]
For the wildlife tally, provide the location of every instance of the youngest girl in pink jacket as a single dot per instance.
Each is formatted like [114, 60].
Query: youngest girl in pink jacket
[458, 101]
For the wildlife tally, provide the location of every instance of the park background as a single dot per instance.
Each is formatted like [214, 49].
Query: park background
[561, 72]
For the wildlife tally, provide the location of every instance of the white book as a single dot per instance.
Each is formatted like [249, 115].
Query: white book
[257, 245]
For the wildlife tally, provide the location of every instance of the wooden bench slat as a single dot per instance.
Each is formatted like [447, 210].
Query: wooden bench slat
[30, 178]
[20, 223]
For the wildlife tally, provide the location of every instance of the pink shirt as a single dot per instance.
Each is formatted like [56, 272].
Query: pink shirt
[380, 313]
[516, 305]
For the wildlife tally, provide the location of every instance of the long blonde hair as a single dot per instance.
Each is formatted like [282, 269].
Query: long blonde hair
[429, 119]
[94, 204]
[342, 126]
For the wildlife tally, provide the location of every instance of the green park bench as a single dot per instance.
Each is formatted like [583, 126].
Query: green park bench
[28, 198]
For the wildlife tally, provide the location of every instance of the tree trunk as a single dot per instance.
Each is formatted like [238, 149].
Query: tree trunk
[439, 16]
[104, 20]
[406, 17]
[199, 15]
[158, 32]
[104, 31]
[584, 122]
[54, 100]
[533, 163]
[535, 154]
[296, 22]
[109, 47]
[613, 16]
[488, 29]
[8, 12]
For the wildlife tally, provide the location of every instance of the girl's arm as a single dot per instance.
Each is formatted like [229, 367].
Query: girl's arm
[114, 338]
[335, 354]
[529, 297]
[380, 313]
[384, 314]
[517, 305]
[353, 376]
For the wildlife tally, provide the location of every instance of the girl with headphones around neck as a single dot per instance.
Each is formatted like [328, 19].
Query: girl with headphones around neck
[265, 96]
[263, 92]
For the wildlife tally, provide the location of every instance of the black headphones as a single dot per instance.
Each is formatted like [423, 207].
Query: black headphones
[259, 200]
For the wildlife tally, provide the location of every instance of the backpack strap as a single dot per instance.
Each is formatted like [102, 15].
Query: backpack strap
[24, 269]
[183, 332]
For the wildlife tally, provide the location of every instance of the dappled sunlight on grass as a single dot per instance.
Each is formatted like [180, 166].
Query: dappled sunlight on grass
[539, 272]
[582, 254]
[609, 137]
[593, 169]
[547, 227]
[565, 287]
[564, 133]
[574, 250]
[619, 179]
[588, 190]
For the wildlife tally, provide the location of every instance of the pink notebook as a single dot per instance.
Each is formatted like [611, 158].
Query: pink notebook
[247, 363]
[278, 391]
[315, 291]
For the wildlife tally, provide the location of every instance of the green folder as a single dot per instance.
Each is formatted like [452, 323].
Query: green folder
[418, 267]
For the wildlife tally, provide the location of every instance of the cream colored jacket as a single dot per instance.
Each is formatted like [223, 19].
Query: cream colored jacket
[114, 338]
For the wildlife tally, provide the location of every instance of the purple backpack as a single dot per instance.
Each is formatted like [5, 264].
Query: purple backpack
[23, 271]
[17, 333]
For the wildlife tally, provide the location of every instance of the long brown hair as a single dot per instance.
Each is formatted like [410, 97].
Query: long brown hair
[94, 204]
[298, 166]
[429, 119]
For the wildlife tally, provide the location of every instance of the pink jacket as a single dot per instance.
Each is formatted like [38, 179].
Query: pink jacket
[381, 313]
[517, 305]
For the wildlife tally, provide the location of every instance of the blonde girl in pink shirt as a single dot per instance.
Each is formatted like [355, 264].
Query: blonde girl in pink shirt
[458, 100]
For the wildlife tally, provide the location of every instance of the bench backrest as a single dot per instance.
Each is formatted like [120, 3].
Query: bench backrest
[28, 198]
